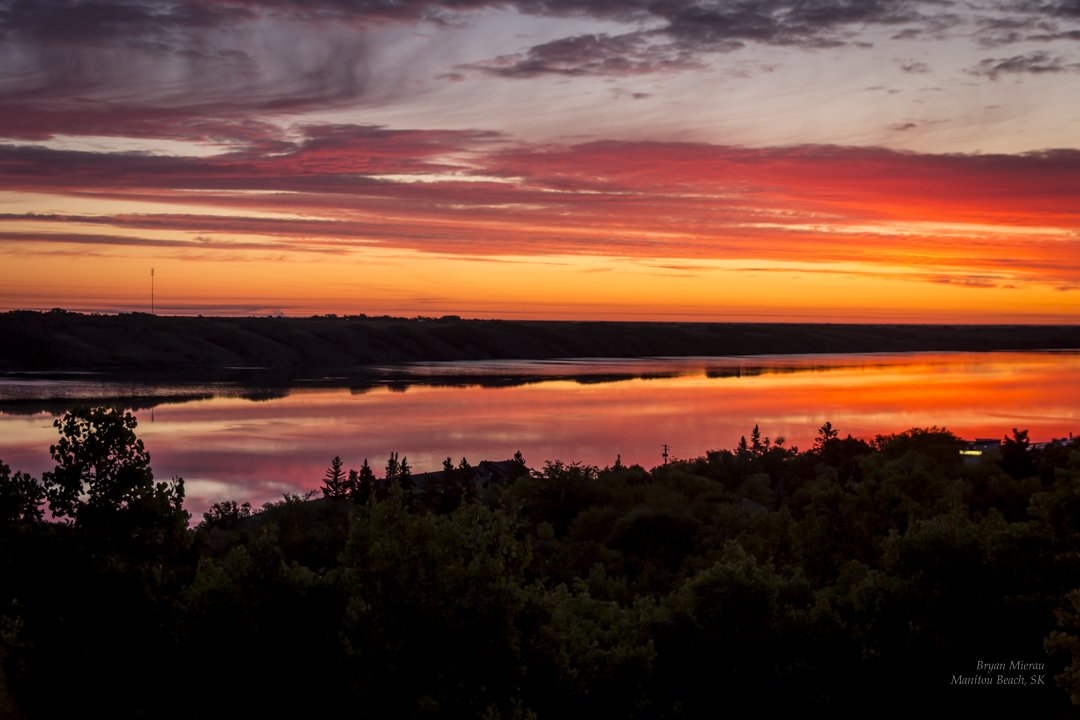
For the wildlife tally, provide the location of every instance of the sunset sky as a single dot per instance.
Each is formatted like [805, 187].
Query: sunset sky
[817, 160]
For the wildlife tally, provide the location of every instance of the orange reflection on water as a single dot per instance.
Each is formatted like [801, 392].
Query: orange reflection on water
[234, 448]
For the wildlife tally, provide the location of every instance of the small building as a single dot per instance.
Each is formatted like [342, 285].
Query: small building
[979, 448]
[1056, 442]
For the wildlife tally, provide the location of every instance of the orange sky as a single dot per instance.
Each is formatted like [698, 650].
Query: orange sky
[507, 161]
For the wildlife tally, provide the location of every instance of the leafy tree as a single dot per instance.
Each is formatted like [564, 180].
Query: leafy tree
[103, 482]
[335, 482]
[20, 497]
[434, 624]
[556, 494]
[100, 462]
[1016, 455]
[1066, 641]
[653, 542]
[225, 514]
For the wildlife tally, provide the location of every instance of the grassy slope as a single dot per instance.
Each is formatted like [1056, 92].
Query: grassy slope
[70, 341]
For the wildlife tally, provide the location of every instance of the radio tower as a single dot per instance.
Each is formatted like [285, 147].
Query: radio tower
[152, 292]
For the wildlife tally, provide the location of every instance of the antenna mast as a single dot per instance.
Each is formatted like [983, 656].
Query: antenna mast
[152, 292]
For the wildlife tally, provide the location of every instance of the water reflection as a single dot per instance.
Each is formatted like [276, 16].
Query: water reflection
[227, 446]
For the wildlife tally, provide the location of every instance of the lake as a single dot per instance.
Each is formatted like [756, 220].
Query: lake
[242, 442]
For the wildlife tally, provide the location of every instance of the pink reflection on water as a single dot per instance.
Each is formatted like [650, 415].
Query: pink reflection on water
[233, 448]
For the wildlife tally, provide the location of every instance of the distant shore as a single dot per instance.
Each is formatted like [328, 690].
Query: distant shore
[59, 341]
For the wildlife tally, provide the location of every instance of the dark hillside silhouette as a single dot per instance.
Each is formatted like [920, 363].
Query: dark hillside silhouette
[201, 346]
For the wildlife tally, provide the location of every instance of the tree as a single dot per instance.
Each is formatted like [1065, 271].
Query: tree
[362, 483]
[1016, 457]
[398, 472]
[445, 493]
[20, 497]
[826, 434]
[100, 463]
[520, 468]
[335, 482]
[103, 480]
[393, 467]
[227, 514]
[404, 479]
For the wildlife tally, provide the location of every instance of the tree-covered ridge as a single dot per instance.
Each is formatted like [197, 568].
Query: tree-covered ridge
[855, 576]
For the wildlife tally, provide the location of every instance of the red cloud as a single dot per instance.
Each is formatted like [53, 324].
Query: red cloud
[1005, 217]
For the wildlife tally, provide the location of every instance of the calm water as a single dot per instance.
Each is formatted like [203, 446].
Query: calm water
[231, 442]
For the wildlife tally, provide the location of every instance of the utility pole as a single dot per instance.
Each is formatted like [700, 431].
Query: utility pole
[152, 292]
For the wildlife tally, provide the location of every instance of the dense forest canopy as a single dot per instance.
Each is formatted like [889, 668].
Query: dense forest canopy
[855, 576]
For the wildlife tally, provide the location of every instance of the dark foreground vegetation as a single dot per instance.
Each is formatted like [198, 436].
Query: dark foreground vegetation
[862, 578]
[199, 346]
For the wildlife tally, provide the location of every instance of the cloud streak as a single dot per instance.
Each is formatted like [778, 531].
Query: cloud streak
[630, 54]
[1033, 63]
[347, 188]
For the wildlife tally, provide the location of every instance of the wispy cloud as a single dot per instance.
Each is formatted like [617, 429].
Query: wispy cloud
[1034, 63]
[914, 67]
[630, 54]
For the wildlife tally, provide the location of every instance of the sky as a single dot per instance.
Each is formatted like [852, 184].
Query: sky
[728, 160]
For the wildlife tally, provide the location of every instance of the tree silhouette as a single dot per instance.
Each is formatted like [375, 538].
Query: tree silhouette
[1016, 457]
[362, 483]
[21, 497]
[826, 433]
[103, 482]
[335, 482]
[445, 493]
[227, 514]
[393, 467]
[404, 479]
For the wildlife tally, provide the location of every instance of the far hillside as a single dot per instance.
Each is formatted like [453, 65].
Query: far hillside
[63, 341]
